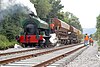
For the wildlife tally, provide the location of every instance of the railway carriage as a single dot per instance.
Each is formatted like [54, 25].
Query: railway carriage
[66, 33]
[61, 30]
[75, 35]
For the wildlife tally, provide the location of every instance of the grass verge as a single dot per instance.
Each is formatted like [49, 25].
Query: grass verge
[5, 44]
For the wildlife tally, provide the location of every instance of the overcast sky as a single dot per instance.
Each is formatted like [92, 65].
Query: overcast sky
[85, 10]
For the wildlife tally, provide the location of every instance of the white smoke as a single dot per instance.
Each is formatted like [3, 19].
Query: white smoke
[12, 6]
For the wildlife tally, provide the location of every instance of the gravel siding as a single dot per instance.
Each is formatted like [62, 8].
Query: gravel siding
[87, 59]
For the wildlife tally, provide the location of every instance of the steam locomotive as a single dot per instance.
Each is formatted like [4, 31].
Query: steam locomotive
[41, 33]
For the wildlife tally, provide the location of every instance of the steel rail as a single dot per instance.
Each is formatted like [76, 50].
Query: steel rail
[8, 53]
[50, 61]
[32, 55]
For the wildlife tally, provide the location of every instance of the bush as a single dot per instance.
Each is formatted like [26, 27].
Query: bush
[4, 43]
[99, 43]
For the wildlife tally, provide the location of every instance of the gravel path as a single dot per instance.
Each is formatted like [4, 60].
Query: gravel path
[87, 59]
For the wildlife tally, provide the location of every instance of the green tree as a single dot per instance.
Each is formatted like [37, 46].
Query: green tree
[70, 19]
[11, 25]
[61, 16]
[97, 34]
[43, 7]
[98, 22]
[73, 20]
[56, 7]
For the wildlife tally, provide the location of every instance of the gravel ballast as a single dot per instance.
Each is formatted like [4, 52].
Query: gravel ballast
[87, 59]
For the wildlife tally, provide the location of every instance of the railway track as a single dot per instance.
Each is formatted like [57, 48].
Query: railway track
[16, 51]
[38, 54]
[10, 57]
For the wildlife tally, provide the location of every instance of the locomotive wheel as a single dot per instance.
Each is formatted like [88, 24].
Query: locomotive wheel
[41, 44]
[26, 45]
[29, 45]
[61, 41]
[23, 45]
[70, 41]
[47, 42]
[64, 42]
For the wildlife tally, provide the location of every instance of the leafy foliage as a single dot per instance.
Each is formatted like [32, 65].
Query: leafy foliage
[11, 26]
[56, 7]
[12, 23]
[4, 42]
[47, 8]
[70, 19]
[43, 7]
[98, 22]
[97, 34]
[51, 9]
